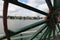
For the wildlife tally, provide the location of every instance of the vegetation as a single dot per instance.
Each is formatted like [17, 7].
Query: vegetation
[22, 17]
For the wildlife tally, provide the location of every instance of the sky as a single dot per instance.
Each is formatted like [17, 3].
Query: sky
[14, 10]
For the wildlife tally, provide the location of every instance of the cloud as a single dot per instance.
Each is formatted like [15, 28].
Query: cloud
[16, 10]
[40, 4]
[19, 11]
[1, 7]
[31, 2]
[43, 7]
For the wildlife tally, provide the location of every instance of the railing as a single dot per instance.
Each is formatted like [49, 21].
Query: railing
[49, 27]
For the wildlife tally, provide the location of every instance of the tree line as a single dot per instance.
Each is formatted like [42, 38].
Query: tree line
[22, 17]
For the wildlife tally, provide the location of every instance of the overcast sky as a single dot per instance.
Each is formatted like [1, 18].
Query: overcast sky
[19, 11]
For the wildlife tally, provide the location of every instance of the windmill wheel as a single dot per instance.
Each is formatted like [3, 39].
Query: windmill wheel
[51, 23]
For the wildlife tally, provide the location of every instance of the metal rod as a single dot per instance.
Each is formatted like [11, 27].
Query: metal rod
[54, 33]
[38, 31]
[5, 9]
[49, 35]
[40, 37]
[49, 4]
[56, 4]
[58, 27]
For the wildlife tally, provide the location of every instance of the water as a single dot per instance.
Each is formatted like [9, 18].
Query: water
[15, 24]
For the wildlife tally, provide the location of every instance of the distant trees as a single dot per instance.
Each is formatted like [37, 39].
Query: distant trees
[11, 17]
[22, 17]
[1, 16]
